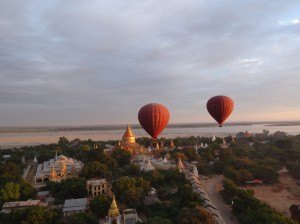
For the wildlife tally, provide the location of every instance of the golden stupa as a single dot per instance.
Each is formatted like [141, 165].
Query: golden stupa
[128, 136]
[128, 142]
[113, 210]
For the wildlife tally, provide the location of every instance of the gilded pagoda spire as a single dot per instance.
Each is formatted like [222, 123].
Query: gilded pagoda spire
[128, 136]
[53, 173]
[172, 144]
[113, 210]
[63, 169]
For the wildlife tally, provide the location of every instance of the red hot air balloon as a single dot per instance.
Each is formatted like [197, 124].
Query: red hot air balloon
[154, 118]
[220, 107]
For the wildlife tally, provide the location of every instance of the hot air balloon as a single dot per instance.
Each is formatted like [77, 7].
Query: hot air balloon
[154, 118]
[220, 107]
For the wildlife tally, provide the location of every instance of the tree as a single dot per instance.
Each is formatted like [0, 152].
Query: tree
[94, 169]
[245, 175]
[144, 184]
[159, 220]
[10, 170]
[266, 132]
[283, 143]
[81, 218]
[63, 142]
[226, 153]
[249, 209]
[100, 205]
[197, 215]
[86, 147]
[187, 196]
[294, 169]
[231, 173]
[35, 215]
[123, 183]
[10, 192]
[267, 174]
[122, 157]
[27, 191]
[70, 188]
[133, 197]
[155, 177]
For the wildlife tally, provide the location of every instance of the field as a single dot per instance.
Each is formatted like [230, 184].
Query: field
[279, 196]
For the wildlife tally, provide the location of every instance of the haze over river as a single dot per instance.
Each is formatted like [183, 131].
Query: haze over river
[21, 136]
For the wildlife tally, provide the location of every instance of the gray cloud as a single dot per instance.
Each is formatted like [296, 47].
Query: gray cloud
[98, 62]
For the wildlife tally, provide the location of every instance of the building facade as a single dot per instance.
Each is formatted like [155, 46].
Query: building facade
[19, 205]
[96, 187]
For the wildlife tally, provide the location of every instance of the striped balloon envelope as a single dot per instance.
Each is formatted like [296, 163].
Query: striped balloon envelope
[220, 108]
[154, 117]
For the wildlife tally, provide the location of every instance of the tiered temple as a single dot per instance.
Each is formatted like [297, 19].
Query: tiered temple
[128, 143]
[56, 169]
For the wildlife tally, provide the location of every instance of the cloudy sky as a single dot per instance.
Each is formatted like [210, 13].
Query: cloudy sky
[97, 62]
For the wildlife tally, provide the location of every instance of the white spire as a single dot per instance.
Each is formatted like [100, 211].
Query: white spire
[232, 139]
[201, 145]
[180, 166]
[165, 159]
[224, 142]
[213, 138]
[149, 149]
[56, 155]
[35, 159]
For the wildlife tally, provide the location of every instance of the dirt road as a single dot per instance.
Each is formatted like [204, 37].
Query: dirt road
[213, 187]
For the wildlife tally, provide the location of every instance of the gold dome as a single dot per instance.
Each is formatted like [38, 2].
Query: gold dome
[113, 210]
[128, 136]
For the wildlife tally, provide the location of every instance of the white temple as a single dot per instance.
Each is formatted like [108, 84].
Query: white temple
[146, 166]
[56, 169]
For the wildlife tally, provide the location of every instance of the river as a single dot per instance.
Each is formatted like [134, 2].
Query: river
[16, 137]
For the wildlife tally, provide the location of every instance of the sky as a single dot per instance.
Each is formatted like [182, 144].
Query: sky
[98, 62]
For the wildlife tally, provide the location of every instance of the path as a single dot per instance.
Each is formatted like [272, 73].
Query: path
[31, 172]
[212, 187]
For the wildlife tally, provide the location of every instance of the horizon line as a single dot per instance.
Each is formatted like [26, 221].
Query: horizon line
[170, 124]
